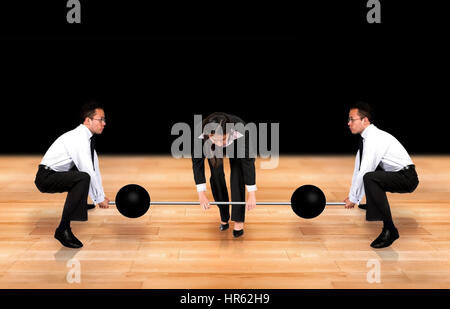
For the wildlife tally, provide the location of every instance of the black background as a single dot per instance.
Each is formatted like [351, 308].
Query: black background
[155, 65]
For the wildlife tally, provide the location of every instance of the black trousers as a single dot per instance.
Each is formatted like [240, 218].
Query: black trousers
[74, 182]
[220, 191]
[377, 183]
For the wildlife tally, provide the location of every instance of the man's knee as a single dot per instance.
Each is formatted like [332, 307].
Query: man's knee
[84, 177]
[369, 176]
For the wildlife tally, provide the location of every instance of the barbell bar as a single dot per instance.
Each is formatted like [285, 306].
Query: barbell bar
[307, 201]
[226, 203]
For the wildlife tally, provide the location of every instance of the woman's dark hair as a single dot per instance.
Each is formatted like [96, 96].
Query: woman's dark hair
[88, 110]
[221, 119]
[364, 110]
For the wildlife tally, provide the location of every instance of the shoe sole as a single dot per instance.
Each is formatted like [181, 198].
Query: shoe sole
[386, 245]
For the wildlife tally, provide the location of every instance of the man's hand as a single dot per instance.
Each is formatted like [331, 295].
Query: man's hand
[251, 201]
[204, 203]
[105, 203]
[348, 204]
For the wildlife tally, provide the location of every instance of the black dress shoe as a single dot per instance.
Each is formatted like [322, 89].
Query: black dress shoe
[90, 206]
[67, 239]
[385, 239]
[362, 206]
[224, 227]
[239, 233]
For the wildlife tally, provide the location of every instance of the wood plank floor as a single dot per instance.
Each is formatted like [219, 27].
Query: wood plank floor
[182, 247]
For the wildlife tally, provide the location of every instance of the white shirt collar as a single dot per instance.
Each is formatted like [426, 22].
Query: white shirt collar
[86, 130]
[364, 133]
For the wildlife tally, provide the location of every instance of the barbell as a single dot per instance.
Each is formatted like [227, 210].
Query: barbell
[307, 201]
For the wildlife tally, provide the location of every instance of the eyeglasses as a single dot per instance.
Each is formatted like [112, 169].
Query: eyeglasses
[100, 119]
[352, 120]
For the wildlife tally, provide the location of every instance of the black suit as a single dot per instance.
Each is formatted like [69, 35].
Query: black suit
[242, 173]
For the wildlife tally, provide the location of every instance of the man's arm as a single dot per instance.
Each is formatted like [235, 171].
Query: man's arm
[81, 155]
[373, 153]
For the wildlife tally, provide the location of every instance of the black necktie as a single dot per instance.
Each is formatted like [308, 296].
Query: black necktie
[361, 147]
[92, 150]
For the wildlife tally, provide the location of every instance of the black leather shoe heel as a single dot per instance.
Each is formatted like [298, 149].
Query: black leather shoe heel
[224, 227]
[238, 233]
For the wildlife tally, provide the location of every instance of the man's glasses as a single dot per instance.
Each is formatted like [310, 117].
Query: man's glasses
[353, 120]
[100, 119]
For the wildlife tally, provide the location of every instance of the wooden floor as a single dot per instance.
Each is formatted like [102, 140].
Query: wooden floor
[182, 247]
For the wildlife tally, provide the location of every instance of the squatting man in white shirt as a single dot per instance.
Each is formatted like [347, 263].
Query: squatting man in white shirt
[71, 165]
[382, 165]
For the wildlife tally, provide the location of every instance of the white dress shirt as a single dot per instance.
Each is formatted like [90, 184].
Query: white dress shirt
[74, 148]
[380, 148]
[233, 136]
